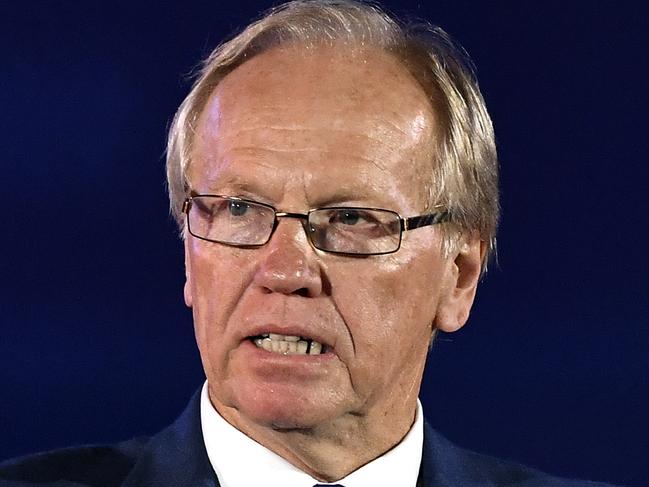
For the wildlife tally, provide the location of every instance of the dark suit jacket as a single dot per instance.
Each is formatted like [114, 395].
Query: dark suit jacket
[176, 457]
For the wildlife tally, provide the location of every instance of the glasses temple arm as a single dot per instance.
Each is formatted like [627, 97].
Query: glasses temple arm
[424, 220]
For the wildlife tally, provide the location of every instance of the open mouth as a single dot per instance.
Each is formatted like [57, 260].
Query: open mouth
[288, 344]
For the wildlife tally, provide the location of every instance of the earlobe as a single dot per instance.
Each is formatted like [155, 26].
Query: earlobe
[458, 293]
[187, 290]
[188, 294]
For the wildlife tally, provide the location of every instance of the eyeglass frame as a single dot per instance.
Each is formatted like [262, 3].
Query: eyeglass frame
[405, 224]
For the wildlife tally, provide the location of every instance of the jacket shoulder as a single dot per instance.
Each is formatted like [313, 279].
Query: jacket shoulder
[506, 473]
[88, 466]
[174, 457]
[444, 463]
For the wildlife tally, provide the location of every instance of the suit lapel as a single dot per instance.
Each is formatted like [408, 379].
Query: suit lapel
[176, 456]
[440, 464]
[426, 470]
[445, 465]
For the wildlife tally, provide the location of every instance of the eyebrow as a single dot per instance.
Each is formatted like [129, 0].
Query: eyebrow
[231, 183]
[252, 189]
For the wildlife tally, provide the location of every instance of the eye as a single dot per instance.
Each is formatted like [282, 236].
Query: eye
[347, 217]
[237, 208]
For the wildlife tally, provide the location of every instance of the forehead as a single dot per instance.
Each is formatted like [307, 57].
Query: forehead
[326, 119]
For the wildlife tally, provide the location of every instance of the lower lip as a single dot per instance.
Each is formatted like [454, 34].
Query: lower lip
[258, 353]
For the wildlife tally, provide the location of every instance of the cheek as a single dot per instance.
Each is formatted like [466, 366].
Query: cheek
[216, 286]
[391, 304]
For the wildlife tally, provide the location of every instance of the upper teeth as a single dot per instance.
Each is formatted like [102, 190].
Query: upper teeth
[277, 336]
[288, 344]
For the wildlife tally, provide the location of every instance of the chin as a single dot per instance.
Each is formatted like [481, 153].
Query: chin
[282, 407]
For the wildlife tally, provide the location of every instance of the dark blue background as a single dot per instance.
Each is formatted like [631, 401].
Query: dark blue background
[96, 344]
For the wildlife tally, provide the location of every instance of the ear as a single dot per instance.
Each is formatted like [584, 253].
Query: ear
[187, 291]
[462, 276]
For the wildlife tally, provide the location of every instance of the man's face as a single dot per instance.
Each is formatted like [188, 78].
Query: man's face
[298, 130]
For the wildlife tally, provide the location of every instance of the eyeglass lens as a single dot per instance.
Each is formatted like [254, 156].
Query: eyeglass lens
[247, 223]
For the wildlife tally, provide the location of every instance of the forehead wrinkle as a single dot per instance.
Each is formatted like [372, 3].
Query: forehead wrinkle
[225, 178]
[411, 126]
[333, 155]
[313, 189]
[373, 125]
[245, 143]
[242, 168]
[250, 170]
[317, 147]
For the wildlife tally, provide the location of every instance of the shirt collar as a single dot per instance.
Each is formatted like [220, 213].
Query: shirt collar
[240, 461]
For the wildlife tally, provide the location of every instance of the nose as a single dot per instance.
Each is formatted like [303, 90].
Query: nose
[288, 263]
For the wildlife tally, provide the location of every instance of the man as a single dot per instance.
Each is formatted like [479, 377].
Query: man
[334, 177]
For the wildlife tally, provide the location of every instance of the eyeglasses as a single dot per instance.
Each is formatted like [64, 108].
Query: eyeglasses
[240, 222]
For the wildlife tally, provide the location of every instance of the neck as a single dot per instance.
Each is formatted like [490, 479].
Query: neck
[331, 450]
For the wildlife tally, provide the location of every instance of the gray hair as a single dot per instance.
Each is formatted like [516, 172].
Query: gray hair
[464, 172]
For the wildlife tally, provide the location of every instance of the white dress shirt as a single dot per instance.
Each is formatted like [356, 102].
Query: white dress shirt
[239, 461]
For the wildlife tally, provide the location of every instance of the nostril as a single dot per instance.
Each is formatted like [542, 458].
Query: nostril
[304, 292]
